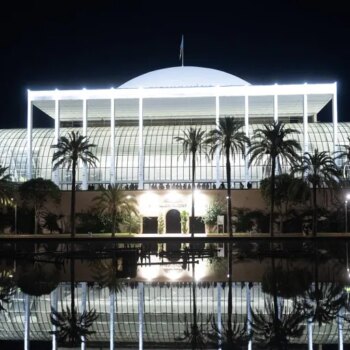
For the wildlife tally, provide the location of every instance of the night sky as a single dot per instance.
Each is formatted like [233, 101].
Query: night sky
[100, 44]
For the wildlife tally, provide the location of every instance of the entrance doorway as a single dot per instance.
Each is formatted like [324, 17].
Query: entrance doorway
[173, 225]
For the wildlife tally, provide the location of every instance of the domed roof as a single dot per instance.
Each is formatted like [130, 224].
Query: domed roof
[183, 76]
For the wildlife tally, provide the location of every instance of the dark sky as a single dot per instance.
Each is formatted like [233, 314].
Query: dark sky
[75, 44]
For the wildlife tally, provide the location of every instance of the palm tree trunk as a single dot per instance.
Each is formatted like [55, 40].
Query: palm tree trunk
[72, 203]
[275, 298]
[314, 210]
[272, 185]
[72, 287]
[114, 219]
[192, 248]
[35, 220]
[229, 228]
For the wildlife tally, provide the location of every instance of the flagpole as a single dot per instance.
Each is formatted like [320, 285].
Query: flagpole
[183, 50]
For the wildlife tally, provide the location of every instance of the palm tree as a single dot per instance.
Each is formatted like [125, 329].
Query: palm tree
[6, 190]
[319, 169]
[289, 191]
[271, 141]
[193, 142]
[69, 150]
[228, 140]
[344, 153]
[114, 203]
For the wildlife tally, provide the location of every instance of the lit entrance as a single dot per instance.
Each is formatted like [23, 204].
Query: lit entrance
[173, 225]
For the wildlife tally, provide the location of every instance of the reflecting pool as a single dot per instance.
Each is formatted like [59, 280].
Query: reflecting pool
[174, 292]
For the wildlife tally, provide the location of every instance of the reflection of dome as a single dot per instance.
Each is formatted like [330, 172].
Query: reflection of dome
[184, 77]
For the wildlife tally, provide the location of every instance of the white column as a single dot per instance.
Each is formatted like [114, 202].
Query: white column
[83, 308]
[85, 169]
[217, 154]
[141, 306]
[275, 107]
[305, 125]
[112, 165]
[219, 321]
[140, 143]
[249, 314]
[309, 334]
[26, 321]
[111, 318]
[56, 175]
[54, 305]
[29, 136]
[340, 329]
[246, 129]
[335, 119]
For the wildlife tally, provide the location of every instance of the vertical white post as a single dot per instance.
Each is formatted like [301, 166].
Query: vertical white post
[217, 155]
[85, 169]
[141, 143]
[54, 305]
[340, 330]
[111, 318]
[141, 307]
[335, 118]
[275, 106]
[305, 125]
[219, 323]
[246, 129]
[26, 322]
[83, 308]
[112, 165]
[249, 314]
[309, 334]
[56, 175]
[29, 136]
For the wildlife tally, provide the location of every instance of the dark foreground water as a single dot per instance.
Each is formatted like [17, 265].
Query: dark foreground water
[290, 293]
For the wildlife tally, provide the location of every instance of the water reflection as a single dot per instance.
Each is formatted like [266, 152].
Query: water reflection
[283, 293]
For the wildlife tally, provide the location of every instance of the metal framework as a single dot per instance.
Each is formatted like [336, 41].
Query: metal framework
[142, 108]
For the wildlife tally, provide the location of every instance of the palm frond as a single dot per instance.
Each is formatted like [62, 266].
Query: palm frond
[72, 328]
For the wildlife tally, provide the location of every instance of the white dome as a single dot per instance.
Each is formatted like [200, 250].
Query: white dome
[183, 76]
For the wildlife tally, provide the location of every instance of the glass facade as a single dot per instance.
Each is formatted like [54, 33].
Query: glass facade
[163, 161]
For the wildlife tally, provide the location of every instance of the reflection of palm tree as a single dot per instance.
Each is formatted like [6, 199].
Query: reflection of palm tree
[276, 332]
[69, 151]
[7, 288]
[235, 337]
[194, 335]
[322, 303]
[45, 274]
[319, 170]
[106, 274]
[71, 328]
[227, 139]
[114, 203]
[271, 141]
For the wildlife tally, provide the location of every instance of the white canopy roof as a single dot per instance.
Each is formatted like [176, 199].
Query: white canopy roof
[185, 92]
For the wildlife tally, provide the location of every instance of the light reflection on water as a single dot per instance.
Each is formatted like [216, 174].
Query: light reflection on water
[148, 289]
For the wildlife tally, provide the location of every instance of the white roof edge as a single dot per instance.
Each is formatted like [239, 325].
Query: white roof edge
[244, 90]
